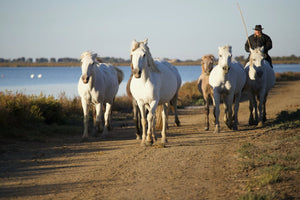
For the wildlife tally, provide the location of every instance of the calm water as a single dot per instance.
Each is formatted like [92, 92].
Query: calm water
[57, 80]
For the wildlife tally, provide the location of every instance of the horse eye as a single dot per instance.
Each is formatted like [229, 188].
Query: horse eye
[220, 56]
[144, 55]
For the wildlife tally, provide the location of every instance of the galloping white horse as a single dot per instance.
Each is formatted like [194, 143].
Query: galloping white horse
[153, 83]
[227, 79]
[98, 84]
[261, 79]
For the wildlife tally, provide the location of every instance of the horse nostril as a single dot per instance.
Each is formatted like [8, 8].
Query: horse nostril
[137, 73]
[259, 74]
[85, 79]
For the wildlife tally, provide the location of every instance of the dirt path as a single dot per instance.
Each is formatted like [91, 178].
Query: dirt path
[194, 165]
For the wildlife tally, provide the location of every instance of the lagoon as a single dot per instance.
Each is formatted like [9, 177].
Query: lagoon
[63, 80]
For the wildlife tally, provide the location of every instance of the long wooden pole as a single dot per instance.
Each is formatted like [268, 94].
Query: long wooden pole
[244, 24]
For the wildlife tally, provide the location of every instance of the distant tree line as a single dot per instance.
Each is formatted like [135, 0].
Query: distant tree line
[53, 61]
[292, 59]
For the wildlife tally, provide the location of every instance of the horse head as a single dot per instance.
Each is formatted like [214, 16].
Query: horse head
[225, 57]
[87, 62]
[138, 57]
[256, 60]
[207, 62]
[141, 58]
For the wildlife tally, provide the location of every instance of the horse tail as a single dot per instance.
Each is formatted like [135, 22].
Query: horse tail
[120, 75]
[158, 114]
[128, 88]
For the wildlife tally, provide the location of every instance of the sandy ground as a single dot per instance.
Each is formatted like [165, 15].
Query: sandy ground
[195, 164]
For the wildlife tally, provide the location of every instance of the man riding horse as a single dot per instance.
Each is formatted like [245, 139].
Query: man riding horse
[259, 39]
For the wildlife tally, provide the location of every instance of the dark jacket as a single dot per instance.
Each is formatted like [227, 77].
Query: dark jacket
[264, 40]
[255, 42]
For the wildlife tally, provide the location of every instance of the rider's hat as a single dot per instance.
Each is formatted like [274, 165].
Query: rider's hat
[258, 28]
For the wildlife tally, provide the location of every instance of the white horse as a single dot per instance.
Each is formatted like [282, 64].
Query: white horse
[261, 78]
[98, 84]
[153, 83]
[227, 79]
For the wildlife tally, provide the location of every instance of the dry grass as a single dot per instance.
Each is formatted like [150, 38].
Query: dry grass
[268, 161]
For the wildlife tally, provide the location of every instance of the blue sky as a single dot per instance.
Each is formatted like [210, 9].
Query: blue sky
[185, 29]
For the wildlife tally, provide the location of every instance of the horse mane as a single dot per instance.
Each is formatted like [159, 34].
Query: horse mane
[210, 56]
[256, 50]
[205, 58]
[135, 45]
[227, 47]
[88, 54]
[120, 74]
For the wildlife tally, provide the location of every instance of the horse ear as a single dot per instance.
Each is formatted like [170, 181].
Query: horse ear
[94, 56]
[146, 42]
[262, 49]
[251, 50]
[134, 45]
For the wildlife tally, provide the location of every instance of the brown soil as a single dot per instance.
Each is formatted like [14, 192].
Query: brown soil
[194, 164]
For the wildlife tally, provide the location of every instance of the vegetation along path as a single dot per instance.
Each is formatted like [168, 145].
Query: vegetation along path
[251, 163]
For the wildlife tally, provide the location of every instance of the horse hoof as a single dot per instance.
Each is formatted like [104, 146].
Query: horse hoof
[206, 128]
[104, 136]
[161, 145]
[164, 141]
[234, 128]
[109, 128]
[264, 119]
[260, 124]
[229, 126]
[177, 123]
[84, 139]
[217, 129]
[138, 137]
[149, 143]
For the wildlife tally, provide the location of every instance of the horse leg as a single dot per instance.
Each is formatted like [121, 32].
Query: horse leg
[251, 98]
[143, 121]
[206, 110]
[164, 119]
[225, 111]
[214, 108]
[174, 104]
[255, 110]
[151, 123]
[264, 108]
[85, 107]
[136, 119]
[236, 109]
[217, 110]
[228, 114]
[260, 108]
[98, 119]
[107, 114]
